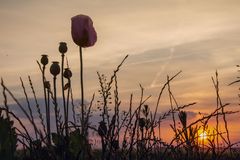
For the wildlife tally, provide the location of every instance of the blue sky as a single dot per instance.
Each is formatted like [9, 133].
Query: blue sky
[161, 38]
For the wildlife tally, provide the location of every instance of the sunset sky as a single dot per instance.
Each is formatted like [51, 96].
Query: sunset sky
[161, 38]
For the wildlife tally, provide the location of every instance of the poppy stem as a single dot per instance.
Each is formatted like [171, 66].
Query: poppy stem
[46, 106]
[63, 95]
[49, 117]
[55, 103]
[82, 90]
[68, 95]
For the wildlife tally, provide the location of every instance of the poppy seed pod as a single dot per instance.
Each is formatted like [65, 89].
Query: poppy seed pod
[55, 68]
[102, 129]
[67, 73]
[44, 59]
[62, 47]
[83, 32]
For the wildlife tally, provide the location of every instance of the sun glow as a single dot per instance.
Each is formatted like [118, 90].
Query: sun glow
[203, 135]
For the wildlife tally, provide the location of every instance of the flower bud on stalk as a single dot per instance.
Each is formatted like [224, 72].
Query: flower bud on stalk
[84, 35]
[115, 144]
[55, 70]
[47, 84]
[142, 122]
[102, 129]
[83, 32]
[67, 73]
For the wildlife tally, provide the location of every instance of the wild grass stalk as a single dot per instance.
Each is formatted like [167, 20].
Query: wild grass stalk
[28, 137]
[171, 104]
[68, 97]
[22, 108]
[63, 96]
[38, 107]
[159, 98]
[73, 107]
[219, 101]
[28, 105]
[46, 88]
[135, 127]
[56, 105]
[216, 84]
[5, 99]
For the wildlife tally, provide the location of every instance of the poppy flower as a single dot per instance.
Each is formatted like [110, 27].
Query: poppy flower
[83, 32]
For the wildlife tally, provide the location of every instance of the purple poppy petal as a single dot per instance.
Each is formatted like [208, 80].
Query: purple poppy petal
[83, 32]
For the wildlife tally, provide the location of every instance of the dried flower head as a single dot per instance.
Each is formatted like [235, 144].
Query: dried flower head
[44, 59]
[62, 47]
[55, 68]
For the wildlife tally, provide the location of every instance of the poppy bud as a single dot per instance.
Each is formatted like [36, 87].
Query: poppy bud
[55, 68]
[62, 47]
[67, 73]
[146, 107]
[44, 59]
[102, 129]
[183, 118]
[115, 144]
[142, 122]
[47, 84]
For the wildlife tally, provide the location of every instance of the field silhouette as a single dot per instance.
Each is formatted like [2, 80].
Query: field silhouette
[130, 134]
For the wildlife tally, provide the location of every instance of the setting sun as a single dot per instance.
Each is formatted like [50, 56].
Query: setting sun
[203, 135]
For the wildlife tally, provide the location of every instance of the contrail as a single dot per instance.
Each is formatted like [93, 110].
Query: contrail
[169, 58]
